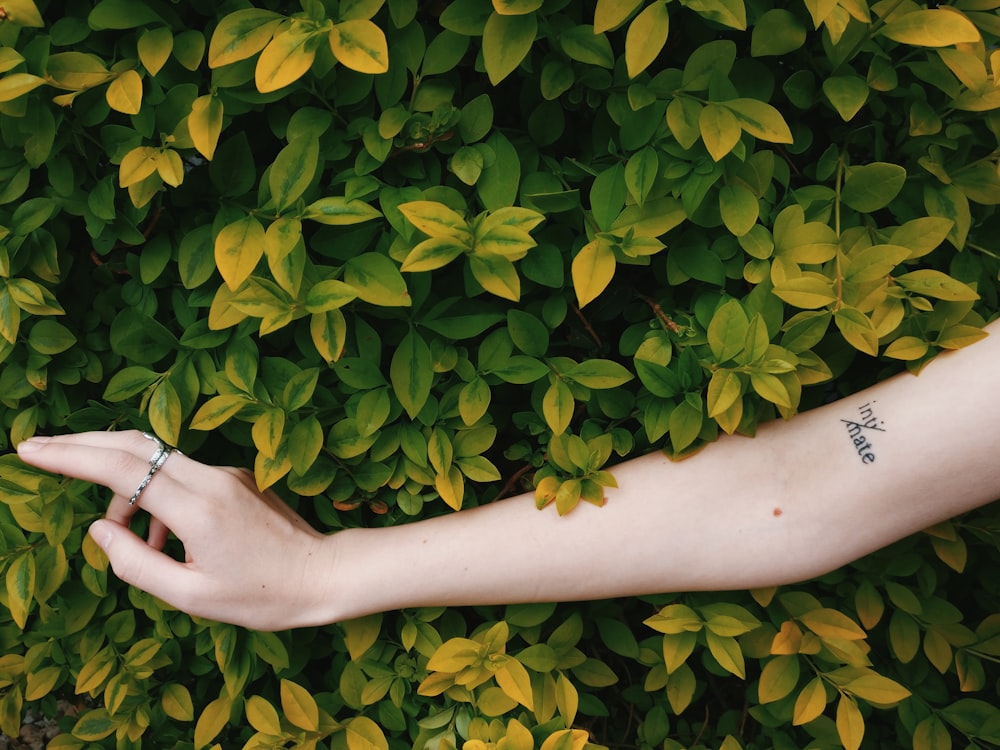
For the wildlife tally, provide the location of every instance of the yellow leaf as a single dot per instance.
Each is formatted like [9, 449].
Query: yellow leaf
[850, 723]
[727, 652]
[645, 38]
[329, 334]
[299, 706]
[170, 167]
[212, 720]
[262, 716]
[164, 412]
[593, 268]
[496, 275]
[454, 655]
[205, 124]
[238, 249]
[125, 93]
[514, 680]
[361, 634]
[360, 45]
[810, 703]
[137, 165]
[285, 59]
[176, 702]
[760, 120]
[451, 487]
[876, 689]
[829, 623]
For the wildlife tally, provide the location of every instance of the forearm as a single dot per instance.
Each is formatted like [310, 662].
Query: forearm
[801, 498]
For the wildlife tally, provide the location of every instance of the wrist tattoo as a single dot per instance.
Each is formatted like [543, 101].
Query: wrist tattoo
[860, 429]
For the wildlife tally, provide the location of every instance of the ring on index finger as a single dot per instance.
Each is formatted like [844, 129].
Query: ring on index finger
[156, 462]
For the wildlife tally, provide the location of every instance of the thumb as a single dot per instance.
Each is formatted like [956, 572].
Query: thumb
[140, 565]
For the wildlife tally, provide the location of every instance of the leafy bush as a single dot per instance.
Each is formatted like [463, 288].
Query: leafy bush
[404, 258]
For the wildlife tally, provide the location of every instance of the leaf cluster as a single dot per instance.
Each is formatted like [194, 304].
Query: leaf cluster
[403, 258]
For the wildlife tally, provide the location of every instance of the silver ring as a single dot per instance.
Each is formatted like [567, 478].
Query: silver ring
[156, 462]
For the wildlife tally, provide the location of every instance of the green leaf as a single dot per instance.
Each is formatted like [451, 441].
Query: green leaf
[128, 382]
[641, 171]
[580, 43]
[50, 337]
[847, 94]
[777, 32]
[598, 373]
[411, 373]
[727, 331]
[120, 14]
[338, 211]
[685, 425]
[872, 186]
[506, 42]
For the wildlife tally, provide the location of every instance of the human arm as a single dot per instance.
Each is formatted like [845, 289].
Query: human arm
[797, 500]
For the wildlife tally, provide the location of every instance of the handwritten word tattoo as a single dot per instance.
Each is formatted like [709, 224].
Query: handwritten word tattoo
[861, 429]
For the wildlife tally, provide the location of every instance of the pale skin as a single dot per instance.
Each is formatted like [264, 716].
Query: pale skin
[796, 501]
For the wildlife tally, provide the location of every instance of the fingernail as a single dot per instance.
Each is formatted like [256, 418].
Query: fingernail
[31, 444]
[101, 533]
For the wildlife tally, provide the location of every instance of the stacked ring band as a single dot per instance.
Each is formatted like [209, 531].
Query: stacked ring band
[156, 462]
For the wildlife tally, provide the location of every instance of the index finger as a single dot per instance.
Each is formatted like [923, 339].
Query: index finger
[120, 461]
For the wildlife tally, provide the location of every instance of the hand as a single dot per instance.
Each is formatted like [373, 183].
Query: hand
[249, 558]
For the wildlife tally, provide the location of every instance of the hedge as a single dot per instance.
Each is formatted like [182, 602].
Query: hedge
[404, 258]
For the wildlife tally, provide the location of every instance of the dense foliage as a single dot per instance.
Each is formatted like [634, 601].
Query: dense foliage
[404, 258]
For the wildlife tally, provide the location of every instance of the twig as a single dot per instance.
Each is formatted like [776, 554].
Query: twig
[511, 483]
[586, 325]
[665, 319]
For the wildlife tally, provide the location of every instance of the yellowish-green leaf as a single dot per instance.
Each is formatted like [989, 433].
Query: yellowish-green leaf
[205, 124]
[829, 623]
[557, 406]
[18, 84]
[241, 35]
[876, 689]
[154, 47]
[872, 186]
[339, 211]
[176, 702]
[778, 678]
[437, 220]
[760, 120]
[592, 270]
[847, 94]
[293, 169]
[212, 720]
[727, 652]
[285, 59]
[931, 734]
[938, 27]
[238, 249]
[807, 292]
[810, 702]
[907, 348]
[850, 723]
[217, 410]
[931, 283]
[739, 207]
[137, 165]
[22, 13]
[496, 275]
[731, 13]
[364, 734]
[610, 14]
[647, 34]
[516, 7]
[299, 706]
[720, 130]
[506, 42]
[20, 583]
[360, 45]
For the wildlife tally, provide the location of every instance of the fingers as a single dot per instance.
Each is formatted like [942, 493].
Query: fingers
[120, 461]
[139, 564]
